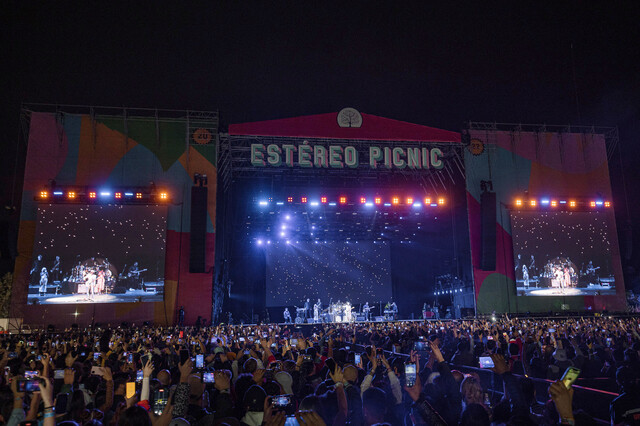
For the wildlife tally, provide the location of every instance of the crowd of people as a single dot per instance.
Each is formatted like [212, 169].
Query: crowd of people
[324, 374]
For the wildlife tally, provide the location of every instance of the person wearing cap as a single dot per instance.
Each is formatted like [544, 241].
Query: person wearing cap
[253, 404]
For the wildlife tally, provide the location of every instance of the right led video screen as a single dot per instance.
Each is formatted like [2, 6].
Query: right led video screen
[562, 253]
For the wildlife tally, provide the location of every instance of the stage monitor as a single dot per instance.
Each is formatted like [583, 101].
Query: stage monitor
[332, 271]
[562, 253]
[98, 254]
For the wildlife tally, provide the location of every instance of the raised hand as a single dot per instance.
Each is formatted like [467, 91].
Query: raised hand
[337, 375]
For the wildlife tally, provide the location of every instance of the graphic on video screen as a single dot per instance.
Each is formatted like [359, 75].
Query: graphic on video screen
[562, 253]
[98, 254]
[336, 270]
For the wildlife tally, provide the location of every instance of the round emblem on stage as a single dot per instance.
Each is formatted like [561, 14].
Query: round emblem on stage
[476, 146]
[202, 136]
[349, 117]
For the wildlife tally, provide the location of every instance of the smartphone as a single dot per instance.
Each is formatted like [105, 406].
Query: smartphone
[294, 342]
[13, 355]
[486, 362]
[95, 371]
[96, 355]
[30, 374]
[131, 389]
[58, 374]
[410, 374]
[570, 375]
[181, 335]
[358, 359]
[30, 385]
[61, 403]
[208, 377]
[184, 356]
[552, 330]
[257, 341]
[200, 361]
[139, 376]
[241, 339]
[160, 400]
[130, 357]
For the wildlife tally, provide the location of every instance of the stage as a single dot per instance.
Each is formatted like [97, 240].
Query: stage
[152, 294]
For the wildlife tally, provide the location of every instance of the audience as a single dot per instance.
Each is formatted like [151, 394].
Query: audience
[324, 374]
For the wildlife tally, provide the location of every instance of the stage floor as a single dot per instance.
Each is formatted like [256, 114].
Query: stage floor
[129, 296]
[591, 290]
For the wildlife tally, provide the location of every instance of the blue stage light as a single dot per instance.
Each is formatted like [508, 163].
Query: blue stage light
[287, 217]
[264, 203]
[128, 194]
[314, 204]
[58, 192]
[282, 234]
[598, 203]
[387, 204]
[280, 203]
[105, 194]
[369, 204]
[259, 242]
[434, 205]
[417, 205]
[332, 204]
[545, 201]
[563, 202]
[283, 227]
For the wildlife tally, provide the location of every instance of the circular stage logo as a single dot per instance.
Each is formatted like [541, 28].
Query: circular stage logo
[202, 136]
[349, 117]
[476, 146]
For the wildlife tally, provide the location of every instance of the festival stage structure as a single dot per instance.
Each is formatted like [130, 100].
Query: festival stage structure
[348, 213]
[117, 217]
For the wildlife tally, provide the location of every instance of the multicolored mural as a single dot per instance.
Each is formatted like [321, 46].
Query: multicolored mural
[540, 164]
[119, 151]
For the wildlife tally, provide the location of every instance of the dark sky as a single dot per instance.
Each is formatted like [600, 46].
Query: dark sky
[423, 62]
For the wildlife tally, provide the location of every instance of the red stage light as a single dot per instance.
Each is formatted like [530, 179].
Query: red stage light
[323, 200]
[378, 200]
[363, 200]
[92, 194]
[441, 201]
[343, 200]
[289, 199]
[427, 201]
[118, 195]
[303, 200]
[395, 200]
[409, 201]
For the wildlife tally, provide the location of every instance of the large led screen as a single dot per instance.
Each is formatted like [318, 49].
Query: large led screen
[562, 253]
[98, 254]
[331, 271]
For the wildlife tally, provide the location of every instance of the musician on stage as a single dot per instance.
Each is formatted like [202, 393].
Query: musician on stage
[287, 316]
[394, 309]
[100, 282]
[307, 309]
[366, 310]
[316, 311]
[44, 279]
[35, 271]
[55, 270]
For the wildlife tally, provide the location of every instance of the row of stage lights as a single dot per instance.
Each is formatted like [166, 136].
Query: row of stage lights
[533, 203]
[369, 202]
[62, 195]
[440, 293]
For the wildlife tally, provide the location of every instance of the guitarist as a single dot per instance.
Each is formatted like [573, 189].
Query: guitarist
[135, 274]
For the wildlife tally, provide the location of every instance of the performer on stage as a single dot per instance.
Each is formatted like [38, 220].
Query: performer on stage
[100, 282]
[287, 316]
[316, 311]
[44, 279]
[35, 271]
[394, 309]
[532, 266]
[425, 309]
[90, 281]
[55, 270]
[525, 276]
[366, 310]
[307, 309]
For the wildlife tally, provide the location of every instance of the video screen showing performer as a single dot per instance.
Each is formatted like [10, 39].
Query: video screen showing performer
[98, 254]
[562, 253]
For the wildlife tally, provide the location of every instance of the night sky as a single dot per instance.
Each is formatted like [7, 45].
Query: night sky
[423, 62]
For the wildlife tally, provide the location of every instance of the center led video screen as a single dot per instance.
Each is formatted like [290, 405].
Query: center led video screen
[98, 254]
[331, 271]
[562, 253]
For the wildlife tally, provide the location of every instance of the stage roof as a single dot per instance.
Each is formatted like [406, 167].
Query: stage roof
[325, 126]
